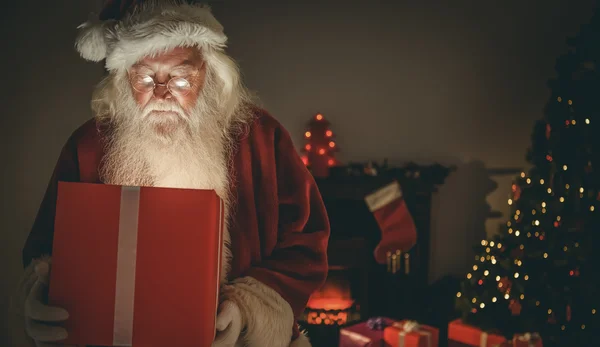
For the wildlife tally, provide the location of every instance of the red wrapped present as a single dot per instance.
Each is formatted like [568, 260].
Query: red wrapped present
[527, 340]
[411, 334]
[137, 266]
[473, 336]
[365, 334]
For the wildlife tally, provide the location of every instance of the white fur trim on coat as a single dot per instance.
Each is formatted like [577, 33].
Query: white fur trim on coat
[155, 27]
[268, 318]
[16, 312]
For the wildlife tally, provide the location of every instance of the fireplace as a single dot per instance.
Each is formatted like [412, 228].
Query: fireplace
[357, 287]
[333, 304]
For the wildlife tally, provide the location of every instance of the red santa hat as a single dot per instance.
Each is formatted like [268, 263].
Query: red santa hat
[128, 30]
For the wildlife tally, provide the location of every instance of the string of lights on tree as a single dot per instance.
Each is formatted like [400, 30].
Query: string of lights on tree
[537, 275]
[320, 147]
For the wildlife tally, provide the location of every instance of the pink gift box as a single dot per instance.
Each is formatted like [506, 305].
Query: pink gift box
[361, 335]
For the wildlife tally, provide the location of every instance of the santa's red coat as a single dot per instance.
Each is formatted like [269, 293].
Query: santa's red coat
[279, 228]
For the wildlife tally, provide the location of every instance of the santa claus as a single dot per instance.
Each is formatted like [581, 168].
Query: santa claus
[173, 112]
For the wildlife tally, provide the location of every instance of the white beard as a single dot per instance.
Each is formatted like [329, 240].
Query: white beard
[174, 150]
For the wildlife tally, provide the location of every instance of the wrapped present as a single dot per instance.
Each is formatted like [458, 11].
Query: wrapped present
[365, 334]
[527, 340]
[410, 334]
[473, 336]
[122, 259]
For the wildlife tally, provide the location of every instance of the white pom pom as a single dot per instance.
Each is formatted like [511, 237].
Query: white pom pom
[90, 41]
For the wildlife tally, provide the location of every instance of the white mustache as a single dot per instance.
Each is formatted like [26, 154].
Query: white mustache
[163, 107]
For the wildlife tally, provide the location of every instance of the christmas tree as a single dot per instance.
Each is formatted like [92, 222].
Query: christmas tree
[537, 275]
[320, 146]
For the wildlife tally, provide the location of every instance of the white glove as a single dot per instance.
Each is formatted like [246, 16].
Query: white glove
[39, 317]
[229, 324]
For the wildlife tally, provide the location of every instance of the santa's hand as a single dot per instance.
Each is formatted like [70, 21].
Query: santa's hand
[229, 324]
[39, 317]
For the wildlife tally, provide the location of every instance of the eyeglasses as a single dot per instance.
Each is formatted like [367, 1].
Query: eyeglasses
[177, 86]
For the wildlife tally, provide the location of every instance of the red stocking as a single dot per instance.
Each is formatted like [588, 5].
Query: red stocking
[398, 231]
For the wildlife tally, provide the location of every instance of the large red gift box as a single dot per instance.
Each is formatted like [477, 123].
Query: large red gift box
[473, 336]
[410, 334]
[365, 334]
[137, 265]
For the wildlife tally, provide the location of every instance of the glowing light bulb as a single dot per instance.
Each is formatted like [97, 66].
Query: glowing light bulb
[581, 190]
[319, 117]
[474, 300]
[516, 275]
[564, 167]
[482, 305]
[307, 134]
[558, 218]
[543, 204]
[521, 247]
[499, 245]
[549, 190]
[517, 233]
[510, 231]
[506, 296]
[487, 250]
[542, 181]
[522, 296]
[458, 295]
[486, 272]
[562, 199]
[492, 243]
[494, 261]
[582, 326]
[536, 222]
[593, 311]
[549, 311]
[567, 186]
[565, 248]
[329, 133]
[559, 99]
[545, 255]
[526, 278]
[483, 242]
[537, 303]
[469, 276]
[592, 208]
[475, 267]
[570, 102]
[528, 181]
[494, 299]
[497, 278]
[321, 151]
[587, 121]
[522, 175]
[482, 259]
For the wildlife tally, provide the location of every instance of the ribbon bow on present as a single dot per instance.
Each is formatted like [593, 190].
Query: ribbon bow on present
[411, 326]
[408, 327]
[376, 323]
[530, 338]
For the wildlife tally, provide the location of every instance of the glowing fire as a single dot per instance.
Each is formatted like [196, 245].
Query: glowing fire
[331, 304]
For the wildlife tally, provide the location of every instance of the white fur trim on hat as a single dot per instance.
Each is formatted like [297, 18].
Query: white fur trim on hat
[153, 28]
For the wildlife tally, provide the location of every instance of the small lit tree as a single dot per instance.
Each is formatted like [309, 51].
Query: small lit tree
[320, 146]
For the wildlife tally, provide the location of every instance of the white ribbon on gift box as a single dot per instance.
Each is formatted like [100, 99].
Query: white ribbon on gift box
[408, 327]
[126, 260]
[530, 338]
[356, 337]
[483, 339]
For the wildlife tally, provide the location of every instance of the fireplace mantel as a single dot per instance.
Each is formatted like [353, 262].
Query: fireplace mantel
[355, 233]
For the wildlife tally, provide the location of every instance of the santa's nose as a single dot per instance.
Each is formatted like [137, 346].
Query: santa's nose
[162, 92]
